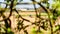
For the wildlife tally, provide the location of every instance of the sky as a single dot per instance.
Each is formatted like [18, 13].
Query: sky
[1, 0]
[26, 6]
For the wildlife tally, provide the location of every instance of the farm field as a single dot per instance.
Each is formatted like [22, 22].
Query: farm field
[25, 15]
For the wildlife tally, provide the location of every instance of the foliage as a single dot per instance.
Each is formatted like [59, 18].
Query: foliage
[43, 25]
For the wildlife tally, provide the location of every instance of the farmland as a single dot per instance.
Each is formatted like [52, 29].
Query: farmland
[26, 15]
[29, 15]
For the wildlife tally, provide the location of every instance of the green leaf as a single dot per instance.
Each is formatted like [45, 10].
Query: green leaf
[54, 17]
[55, 28]
[9, 30]
[33, 30]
